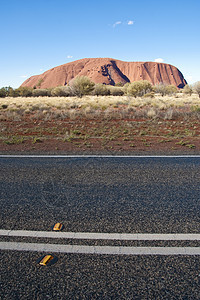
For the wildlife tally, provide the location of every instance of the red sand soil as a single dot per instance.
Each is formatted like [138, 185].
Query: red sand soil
[100, 136]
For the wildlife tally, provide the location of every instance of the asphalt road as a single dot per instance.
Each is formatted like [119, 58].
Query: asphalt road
[105, 195]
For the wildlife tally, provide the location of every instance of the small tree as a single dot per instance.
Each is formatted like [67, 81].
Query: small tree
[116, 91]
[134, 89]
[139, 88]
[13, 93]
[101, 90]
[5, 91]
[187, 90]
[165, 89]
[81, 85]
[40, 92]
[196, 88]
[171, 89]
[125, 87]
[61, 91]
[146, 87]
[2, 92]
[160, 89]
[24, 91]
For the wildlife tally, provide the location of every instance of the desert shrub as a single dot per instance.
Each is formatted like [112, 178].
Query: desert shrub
[40, 92]
[151, 113]
[101, 90]
[81, 85]
[149, 95]
[120, 84]
[165, 89]
[160, 88]
[49, 92]
[146, 86]
[125, 87]
[170, 114]
[2, 93]
[139, 88]
[23, 91]
[61, 91]
[187, 90]
[196, 88]
[5, 91]
[10, 91]
[116, 91]
[14, 93]
[171, 89]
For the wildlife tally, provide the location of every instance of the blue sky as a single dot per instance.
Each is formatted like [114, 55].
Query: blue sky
[41, 34]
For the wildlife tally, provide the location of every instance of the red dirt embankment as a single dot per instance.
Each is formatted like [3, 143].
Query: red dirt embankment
[100, 136]
[108, 71]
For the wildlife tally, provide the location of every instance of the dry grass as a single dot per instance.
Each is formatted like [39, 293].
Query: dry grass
[111, 123]
[47, 108]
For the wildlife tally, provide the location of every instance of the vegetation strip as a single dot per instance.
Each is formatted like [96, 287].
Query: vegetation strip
[100, 124]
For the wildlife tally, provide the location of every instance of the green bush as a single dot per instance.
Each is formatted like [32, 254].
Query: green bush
[187, 90]
[160, 89]
[125, 87]
[120, 84]
[146, 86]
[61, 91]
[139, 88]
[101, 90]
[81, 85]
[23, 91]
[171, 89]
[165, 89]
[2, 93]
[116, 91]
[5, 91]
[196, 88]
[13, 93]
[40, 92]
[149, 95]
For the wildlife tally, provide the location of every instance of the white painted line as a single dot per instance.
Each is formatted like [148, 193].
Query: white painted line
[104, 236]
[99, 156]
[111, 250]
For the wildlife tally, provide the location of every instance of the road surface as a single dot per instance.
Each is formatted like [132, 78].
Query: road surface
[131, 227]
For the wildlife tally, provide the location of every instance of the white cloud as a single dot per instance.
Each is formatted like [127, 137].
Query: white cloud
[130, 22]
[41, 70]
[69, 56]
[159, 60]
[23, 76]
[117, 23]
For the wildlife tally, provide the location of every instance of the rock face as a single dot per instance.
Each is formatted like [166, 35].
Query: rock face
[108, 71]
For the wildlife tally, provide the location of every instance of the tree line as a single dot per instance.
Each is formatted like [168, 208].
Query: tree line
[82, 85]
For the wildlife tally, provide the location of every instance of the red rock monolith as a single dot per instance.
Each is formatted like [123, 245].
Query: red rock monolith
[108, 71]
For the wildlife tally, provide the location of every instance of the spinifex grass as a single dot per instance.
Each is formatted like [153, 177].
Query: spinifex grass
[108, 122]
[49, 108]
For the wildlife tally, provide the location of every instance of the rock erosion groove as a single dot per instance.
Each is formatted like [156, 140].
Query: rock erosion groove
[108, 71]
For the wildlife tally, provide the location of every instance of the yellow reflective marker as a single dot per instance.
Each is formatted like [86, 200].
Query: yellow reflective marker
[46, 260]
[57, 227]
